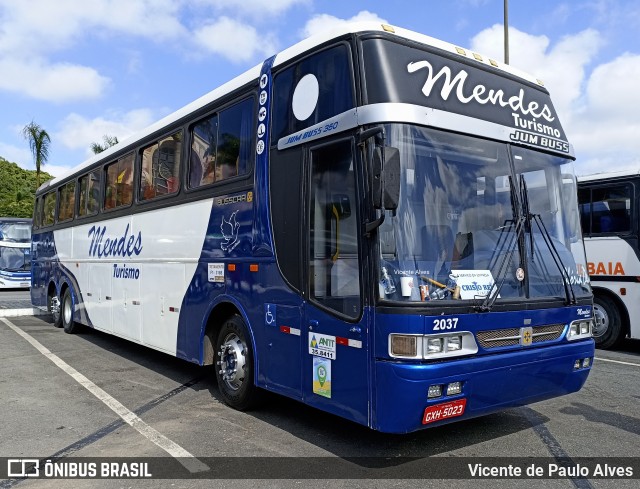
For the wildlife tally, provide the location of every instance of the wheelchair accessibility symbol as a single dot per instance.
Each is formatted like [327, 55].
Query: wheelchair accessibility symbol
[270, 314]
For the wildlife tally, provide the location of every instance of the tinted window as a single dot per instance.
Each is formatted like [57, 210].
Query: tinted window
[332, 72]
[119, 183]
[49, 211]
[89, 194]
[611, 209]
[222, 145]
[161, 167]
[67, 202]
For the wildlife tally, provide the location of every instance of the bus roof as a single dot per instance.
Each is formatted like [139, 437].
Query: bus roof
[282, 57]
[609, 175]
[14, 219]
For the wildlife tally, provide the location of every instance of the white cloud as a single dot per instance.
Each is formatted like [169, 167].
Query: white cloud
[20, 155]
[597, 109]
[324, 22]
[78, 132]
[59, 82]
[40, 26]
[234, 40]
[255, 8]
[561, 66]
[607, 124]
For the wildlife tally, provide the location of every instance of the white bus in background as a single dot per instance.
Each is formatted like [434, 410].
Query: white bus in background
[15, 253]
[609, 210]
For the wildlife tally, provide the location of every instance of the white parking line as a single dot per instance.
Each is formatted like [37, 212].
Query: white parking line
[191, 463]
[617, 361]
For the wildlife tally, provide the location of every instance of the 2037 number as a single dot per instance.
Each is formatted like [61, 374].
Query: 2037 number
[445, 324]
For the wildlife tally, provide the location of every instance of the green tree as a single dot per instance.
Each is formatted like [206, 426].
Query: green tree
[17, 192]
[39, 142]
[108, 142]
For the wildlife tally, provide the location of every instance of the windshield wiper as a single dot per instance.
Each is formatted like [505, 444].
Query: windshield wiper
[501, 275]
[570, 295]
[524, 193]
[548, 241]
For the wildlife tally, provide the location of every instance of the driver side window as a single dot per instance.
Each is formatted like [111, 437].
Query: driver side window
[334, 265]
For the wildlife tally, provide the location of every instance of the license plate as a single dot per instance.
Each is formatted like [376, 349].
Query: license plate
[443, 411]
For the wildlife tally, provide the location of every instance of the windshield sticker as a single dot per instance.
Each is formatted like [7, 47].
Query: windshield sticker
[473, 283]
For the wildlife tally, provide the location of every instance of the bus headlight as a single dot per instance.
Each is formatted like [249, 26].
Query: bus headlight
[405, 346]
[580, 329]
[432, 346]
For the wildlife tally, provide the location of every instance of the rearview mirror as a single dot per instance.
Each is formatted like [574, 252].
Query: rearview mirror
[386, 178]
[391, 177]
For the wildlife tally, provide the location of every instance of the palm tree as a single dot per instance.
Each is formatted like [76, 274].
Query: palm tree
[39, 142]
[108, 142]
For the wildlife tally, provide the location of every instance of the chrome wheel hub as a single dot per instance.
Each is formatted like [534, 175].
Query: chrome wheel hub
[232, 363]
[54, 305]
[601, 323]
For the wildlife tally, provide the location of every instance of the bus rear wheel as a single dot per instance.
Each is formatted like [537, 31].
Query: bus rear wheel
[607, 331]
[66, 313]
[234, 365]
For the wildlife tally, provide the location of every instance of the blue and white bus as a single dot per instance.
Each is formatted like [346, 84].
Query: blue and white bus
[347, 224]
[15, 253]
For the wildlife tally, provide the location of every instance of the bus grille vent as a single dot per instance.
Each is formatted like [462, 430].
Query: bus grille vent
[511, 336]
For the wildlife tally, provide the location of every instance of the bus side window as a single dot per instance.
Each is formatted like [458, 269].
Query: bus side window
[49, 209]
[161, 167]
[88, 194]
[203, 152]
[67, 200]
[119, 183]
[235, 146]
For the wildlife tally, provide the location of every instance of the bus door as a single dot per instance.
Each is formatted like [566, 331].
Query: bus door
[334, 366]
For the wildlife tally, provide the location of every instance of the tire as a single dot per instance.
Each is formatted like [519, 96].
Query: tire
[608, 331]
[66, 313]
[234, 366]
[54, 307]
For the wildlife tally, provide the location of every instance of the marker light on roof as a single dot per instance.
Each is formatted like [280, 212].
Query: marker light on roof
[388, 28]
[461, 51]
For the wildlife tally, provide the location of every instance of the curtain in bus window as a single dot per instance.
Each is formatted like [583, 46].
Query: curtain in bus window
[161, 167]
[119, 184]
[204, 137]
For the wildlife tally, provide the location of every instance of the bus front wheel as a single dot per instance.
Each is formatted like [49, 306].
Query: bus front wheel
[66, 312]
[234, 365]
[607, 331]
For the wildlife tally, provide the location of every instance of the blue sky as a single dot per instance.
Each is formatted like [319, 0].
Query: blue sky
[85, 68]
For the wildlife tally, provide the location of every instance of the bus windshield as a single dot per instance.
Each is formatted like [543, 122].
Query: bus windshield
[14, 259]
[473, 213]
[17, 232]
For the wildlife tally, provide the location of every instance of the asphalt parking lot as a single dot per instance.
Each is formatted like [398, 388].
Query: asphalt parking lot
[94, 395]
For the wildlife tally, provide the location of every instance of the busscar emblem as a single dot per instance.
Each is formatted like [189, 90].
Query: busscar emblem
[526, 336]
